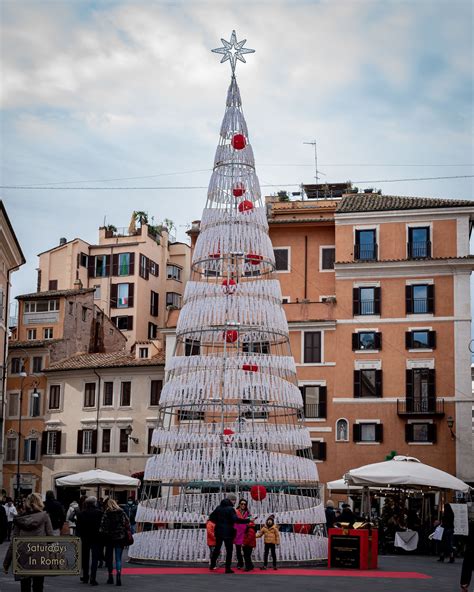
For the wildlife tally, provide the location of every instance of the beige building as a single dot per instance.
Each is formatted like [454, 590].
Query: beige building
[138, 275]
[100, 413]
[11, 258]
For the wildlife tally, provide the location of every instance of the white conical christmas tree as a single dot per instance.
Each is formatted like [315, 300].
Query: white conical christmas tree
[231, 414]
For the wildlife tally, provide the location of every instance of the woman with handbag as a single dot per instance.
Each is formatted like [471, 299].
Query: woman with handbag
[115, 530]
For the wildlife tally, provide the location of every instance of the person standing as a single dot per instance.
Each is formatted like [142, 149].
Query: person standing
[130, 509]
[347, 515]
[330, 514]
[240, 528]
[211, 538]
[3, 524]
[225, 518]
[271, 538]
[55, 511]
[468, 561]
[250, 542]
[114, 528]
[87, 528]
[71, 516]
[11, 512]
[447, 522]
[33, 523]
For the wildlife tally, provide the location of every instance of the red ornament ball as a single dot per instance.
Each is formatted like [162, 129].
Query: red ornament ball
[239, 142]
[231, 336]
[253, 258]
[250, 367]
[228, 432]
[238, 189]
[258, 492]
[245, 206]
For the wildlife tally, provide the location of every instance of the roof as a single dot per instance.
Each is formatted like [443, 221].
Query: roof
[423, 260]
[62, 245]
[372, 202]
[10, 227]
[121, 359]
[296, 220]
[31, 343]
[54, 294]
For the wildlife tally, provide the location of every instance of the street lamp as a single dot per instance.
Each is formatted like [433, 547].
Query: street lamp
[128, 431]
[35, 394]
[450, 423]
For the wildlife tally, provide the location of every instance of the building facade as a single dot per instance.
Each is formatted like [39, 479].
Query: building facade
[138, 275]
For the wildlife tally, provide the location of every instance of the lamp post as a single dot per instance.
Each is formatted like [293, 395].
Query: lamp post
[128, 431]
[35, 394]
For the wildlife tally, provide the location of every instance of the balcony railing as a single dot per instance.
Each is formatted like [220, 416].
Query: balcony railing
[419, 249]
[420, 407]
[315, 410]
[366, 307]
[366, 252]
[419, 305]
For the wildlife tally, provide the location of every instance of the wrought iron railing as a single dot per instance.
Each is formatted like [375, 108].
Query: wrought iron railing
[419, 249]
[420, 406]
[366, 252]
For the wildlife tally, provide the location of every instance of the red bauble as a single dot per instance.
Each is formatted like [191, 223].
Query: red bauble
[250, 367]
[230, 286]
[228, 432]
[238, 190]
[258, 492]
[239, 142]
[253, 258]
[231, 336]
[245, 206]
[302, 528]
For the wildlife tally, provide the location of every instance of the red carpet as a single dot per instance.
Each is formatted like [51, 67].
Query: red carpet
[331, 573]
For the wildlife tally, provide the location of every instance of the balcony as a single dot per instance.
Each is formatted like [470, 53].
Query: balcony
[420, 407]
[366, 252]
[420, 306]
[419, 249]
[315, 411]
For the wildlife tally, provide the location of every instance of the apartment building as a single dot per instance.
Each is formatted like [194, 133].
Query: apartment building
[138, 275]
[376, 290]
[52, 326]
[11, 258]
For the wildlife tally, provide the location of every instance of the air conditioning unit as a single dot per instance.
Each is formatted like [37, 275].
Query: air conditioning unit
[328, 299]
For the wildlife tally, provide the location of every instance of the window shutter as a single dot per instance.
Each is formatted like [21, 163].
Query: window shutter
[377, 300]
[94, 442]
[58, 443]
[378, 383]
[129, 323]
[319, 450]
[378, 341]
[322, 402]
[408, 340]
[356, 432]
[409, 384]
[356, 383]
[355, 341]
[130, 295]
[113, 295]
[44, 442]
[409, 432]
[107, 265]
[432, 433]
[431, 295]
[303, 394]
[79, 441]
[91, 267]
[432, 383]
[131, 270]
[379, 432]
[408, 300]
[432, 339]
[355, 301]
[115, 265]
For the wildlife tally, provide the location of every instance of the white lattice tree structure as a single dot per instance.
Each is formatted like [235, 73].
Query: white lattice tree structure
[231, 414]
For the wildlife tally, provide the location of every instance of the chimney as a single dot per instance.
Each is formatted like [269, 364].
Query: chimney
[77, 284]
[62, 240]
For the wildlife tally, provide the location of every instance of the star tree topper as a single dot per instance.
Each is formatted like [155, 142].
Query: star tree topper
[233, 50]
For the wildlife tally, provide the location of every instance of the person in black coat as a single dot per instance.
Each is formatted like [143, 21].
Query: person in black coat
[3, 524]
[225, 518]
[87, 528]
[347, 515]
[330, 514]
[56, 512]
[447, 522]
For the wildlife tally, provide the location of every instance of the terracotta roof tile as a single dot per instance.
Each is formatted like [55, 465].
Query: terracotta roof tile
[372, 202]
[54, 293]
[13, 344]
[464, 258]
[111, 360]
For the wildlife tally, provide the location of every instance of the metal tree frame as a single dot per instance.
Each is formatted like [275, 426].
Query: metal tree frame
[231, 413]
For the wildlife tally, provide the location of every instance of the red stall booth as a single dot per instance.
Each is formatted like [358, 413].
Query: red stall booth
[355, 548]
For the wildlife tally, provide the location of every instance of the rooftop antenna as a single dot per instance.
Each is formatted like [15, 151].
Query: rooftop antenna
[313, 143]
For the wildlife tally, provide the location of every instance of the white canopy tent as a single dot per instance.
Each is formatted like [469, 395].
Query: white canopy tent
[97, 477]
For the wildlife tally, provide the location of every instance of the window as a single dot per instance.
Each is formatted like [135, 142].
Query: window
[84, 314]
[154, 299]
[256, 347]
[31, 334]
[89, 394]
[366, 301]
[87, 441]
[123, 264]
[154, 268]
[366, 340]
[97, 292]
[420, 432]
[106, 440]
[144, 267]
[152, 331]
[342, 430]
[421, 390]
[254, 409]
[281, 259]
[365, 248]
[328, 255]
[368, 432]
[312, 347]
[54, 396]
[192, 347]
[101, 265]
[11, 449]
[125, 394]
[367, 383]
[30, 450]
[83, 260]
[419, 299]
[318, 449]
[173, 299]
[53, 285]
[123, 323]
[419, 245]
[13, 404]
[108, 397]
[71, 307]
[122, 295]
[143, 353]
[41, 306]
[16, 365]
[150, 438]
[155, 392]
[420, 339]
[35, 404]
[37, 364]
[314, 401]
[173, 272]
[51, 443]
[123, 446]
[48, 333]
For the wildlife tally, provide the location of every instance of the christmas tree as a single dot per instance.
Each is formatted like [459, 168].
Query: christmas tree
[231, 414]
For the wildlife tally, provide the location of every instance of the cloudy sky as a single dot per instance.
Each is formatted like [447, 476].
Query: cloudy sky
[127, 94]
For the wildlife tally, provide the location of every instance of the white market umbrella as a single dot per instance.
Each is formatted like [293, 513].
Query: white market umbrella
[97, 477]
[339, 485]
[404, 471]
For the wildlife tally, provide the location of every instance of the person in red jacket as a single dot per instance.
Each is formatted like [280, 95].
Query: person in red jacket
[250, 542]
[211, 537]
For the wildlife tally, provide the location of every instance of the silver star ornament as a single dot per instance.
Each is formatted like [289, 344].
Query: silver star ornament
[233, 50]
